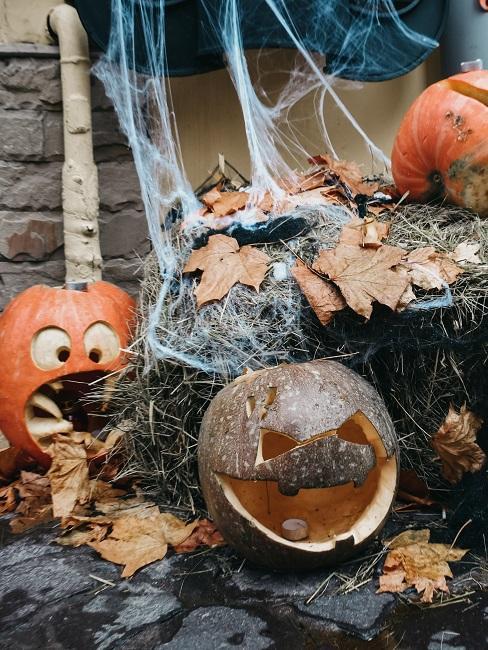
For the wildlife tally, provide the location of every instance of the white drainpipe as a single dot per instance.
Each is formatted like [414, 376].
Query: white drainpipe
[80, 179]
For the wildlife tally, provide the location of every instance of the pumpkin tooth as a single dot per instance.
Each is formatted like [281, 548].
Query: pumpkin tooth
[56, 386]
[40, 427]
[46, 404]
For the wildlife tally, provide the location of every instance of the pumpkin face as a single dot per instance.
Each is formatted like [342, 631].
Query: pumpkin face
[310, 442]
[441, 149]
[57, 345]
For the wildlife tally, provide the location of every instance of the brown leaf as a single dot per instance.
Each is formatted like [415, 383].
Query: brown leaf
[223, 265]
[141, 538]
[84, 530]
[323, 297]
[430, 270]
[366, 232]
[68, 475]
[8, 500]
[41, 514]
[11, 459]
[413, 562]
[466, 253]
[204, 534]
[230, 202]
[364, 275]
[455, 442]
[348, 172]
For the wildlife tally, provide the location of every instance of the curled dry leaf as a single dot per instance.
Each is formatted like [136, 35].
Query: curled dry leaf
[11, 460]
[455, 442]
[223, 265]
[364, 275]
[466, 253]
[367, 232]
[204, 534]
[323, 296]
[413, 561]
[429, 269]
[35, 506]
[348, 172]
[8, 500]
[68, 475]
[225, 203]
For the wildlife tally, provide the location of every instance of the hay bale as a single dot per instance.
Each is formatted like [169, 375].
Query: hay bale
[419, 361]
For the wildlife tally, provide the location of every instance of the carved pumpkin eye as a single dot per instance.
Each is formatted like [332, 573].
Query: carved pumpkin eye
[50, 348]
[101, 342]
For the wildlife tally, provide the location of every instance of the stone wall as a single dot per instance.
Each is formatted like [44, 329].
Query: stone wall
[31, 158]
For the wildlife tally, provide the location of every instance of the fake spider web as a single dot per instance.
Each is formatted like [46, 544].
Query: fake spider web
[354, 36]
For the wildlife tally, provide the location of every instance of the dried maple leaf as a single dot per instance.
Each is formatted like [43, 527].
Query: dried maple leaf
[323, 296]
[8, 500]
[455, 442]
[429, 269]
[466, 253]
[68, 475]
[35, 506]
[348, 172]
[413, 561]
[11, 459]
[367, 232]
[137, 539]
[204, 534]
[223, 265]
[364, 275]
[85, 532]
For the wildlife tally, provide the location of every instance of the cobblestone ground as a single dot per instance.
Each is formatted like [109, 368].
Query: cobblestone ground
[61, 598]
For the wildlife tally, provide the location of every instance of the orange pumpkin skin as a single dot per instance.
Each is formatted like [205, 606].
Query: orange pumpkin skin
[441, 149]
[73, 311]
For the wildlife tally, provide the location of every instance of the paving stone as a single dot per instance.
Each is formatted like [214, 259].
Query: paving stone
[211, 628]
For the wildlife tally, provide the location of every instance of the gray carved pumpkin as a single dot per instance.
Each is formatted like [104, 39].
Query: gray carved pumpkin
[310, 441]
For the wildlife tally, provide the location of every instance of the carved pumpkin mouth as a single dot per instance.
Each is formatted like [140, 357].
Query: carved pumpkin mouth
[69, 403]
[332, 513]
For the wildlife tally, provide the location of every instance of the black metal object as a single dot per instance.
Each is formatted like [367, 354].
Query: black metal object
[192, 45]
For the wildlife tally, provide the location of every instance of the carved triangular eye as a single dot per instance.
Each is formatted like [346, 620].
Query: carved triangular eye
[274, 443]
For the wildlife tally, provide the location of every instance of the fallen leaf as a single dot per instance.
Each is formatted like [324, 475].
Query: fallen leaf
[455, 442]
[223, 265]
[413, 489]
[41, 515]
[367, 232]
[11, 459]
[466, 253]
[364, 275]
[323, 296]
[8, 500]
[413, 561]
[68, 475]
[348, 172]
[90, 531]
[406, 298]
[204, 534]
[139, 539]
[429, 269]
[229, 202]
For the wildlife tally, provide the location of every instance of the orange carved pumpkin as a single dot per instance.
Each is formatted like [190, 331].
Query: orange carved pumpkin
[54, 344]
[441, 149]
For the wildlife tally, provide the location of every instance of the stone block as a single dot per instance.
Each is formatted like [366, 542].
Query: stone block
[16, 277]
[124, 273]
[22, 135]
[124, 233]
[30, 235]
[119, 186]
[35, 83]
[30, 186]
[30, 83]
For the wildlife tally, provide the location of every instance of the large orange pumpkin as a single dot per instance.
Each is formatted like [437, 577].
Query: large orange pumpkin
[54, 343]
[441, 149]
